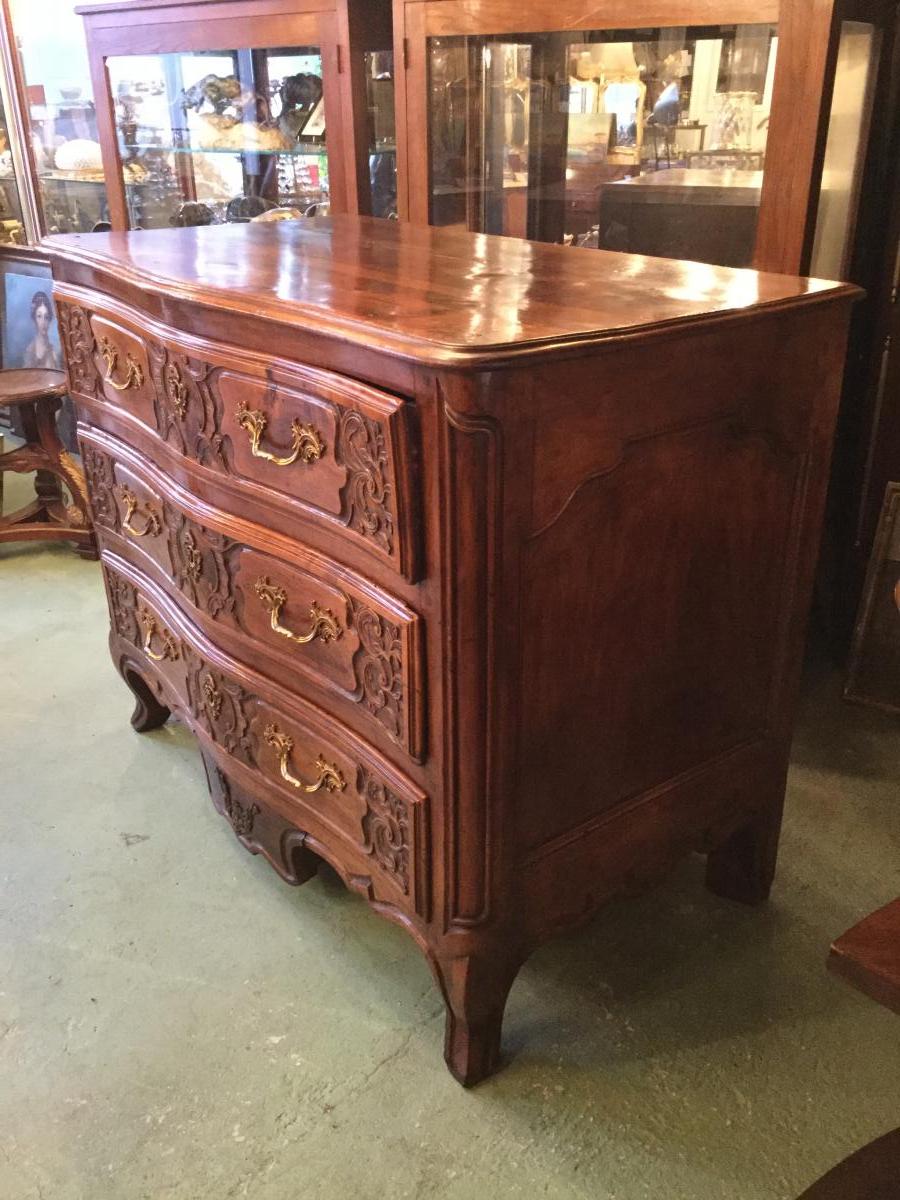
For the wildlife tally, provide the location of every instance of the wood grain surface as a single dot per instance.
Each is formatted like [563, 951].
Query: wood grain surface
[437, 296]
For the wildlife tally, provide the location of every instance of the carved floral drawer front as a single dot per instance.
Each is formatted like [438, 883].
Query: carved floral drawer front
[320, 774]
[283, 438]
[125, 503]
[328, 776]
[138, 620]
[366, 645]
[121, 360]
[335, 629]
[307, 440]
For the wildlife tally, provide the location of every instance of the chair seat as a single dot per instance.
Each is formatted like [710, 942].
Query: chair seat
[22, 385]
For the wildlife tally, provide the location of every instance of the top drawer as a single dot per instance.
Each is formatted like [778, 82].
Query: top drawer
[300, 438]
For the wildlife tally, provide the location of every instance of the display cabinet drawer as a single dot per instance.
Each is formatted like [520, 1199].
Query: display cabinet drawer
[327, 778]
[312, 443]
[307, 618]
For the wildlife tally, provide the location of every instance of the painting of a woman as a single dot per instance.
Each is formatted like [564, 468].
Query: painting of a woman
[40, 351]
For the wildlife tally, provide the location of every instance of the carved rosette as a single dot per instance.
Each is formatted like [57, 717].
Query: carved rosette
[386, 827]
[78, 346]
[378, 665]
[367, 496]
[101, 481]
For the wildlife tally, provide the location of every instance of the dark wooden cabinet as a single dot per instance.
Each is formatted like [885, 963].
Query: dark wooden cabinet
[479, 568]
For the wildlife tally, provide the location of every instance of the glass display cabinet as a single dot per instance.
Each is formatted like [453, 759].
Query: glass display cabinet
[12, 228]
[692, 129]
[226, 110]
[46, 60]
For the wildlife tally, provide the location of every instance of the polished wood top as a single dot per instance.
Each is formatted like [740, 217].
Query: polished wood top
[868, 956]
[20, 385]
[440, 297]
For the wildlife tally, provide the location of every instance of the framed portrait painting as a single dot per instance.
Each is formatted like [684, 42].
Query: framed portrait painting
[30, 334]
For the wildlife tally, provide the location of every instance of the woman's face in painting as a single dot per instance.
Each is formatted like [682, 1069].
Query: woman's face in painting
[42, 318]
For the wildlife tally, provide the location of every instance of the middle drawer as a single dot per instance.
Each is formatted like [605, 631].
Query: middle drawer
[307, 619]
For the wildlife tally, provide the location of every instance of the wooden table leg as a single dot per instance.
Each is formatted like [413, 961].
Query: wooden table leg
[49, 517]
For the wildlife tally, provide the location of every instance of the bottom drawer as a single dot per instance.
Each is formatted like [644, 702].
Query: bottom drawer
[321, 776]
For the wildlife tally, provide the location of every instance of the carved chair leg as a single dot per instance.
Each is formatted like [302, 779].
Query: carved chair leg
[743, 867]
[148, 713]
[475, 991]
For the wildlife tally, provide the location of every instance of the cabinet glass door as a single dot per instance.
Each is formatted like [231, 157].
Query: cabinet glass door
[12, 230]
[851, 110]
[206, 138]
[60, 115]
[382, 132]
[651, 141]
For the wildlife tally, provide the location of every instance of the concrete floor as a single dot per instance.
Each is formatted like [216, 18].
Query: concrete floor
[177, 1024]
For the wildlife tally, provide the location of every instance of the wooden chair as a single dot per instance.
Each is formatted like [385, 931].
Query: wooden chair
[38, 394]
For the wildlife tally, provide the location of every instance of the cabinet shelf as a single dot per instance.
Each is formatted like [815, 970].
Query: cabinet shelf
[311, 149]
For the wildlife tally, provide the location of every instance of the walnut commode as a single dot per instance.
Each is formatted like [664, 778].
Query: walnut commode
[479, 568]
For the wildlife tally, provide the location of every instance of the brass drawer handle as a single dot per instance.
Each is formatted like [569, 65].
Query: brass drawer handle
[324, 624]
[330, 777]
[306, 444]
[134, 374]
[153, 525]
[151, 630]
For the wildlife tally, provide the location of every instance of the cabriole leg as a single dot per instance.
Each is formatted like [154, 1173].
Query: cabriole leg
[475, 991]
[149, 713]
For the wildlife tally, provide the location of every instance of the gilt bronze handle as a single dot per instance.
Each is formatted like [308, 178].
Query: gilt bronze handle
[306, 445]
[323, 623]
[151, 630]
[153, 525]
[134, 373]
[329, 778]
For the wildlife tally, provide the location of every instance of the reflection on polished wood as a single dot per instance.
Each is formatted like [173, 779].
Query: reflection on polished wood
[566, 521]
[434, 295]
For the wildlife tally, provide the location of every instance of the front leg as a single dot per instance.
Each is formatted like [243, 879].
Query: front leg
[743, 866]
[475, 989]
[149, 712]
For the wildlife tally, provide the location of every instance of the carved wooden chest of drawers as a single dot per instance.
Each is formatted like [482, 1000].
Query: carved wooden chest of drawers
[480, 569]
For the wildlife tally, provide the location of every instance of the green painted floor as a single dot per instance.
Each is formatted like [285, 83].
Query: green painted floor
[177, 1024]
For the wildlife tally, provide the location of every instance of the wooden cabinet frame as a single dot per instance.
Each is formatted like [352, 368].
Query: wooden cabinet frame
[804, 78]
[344, 30]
